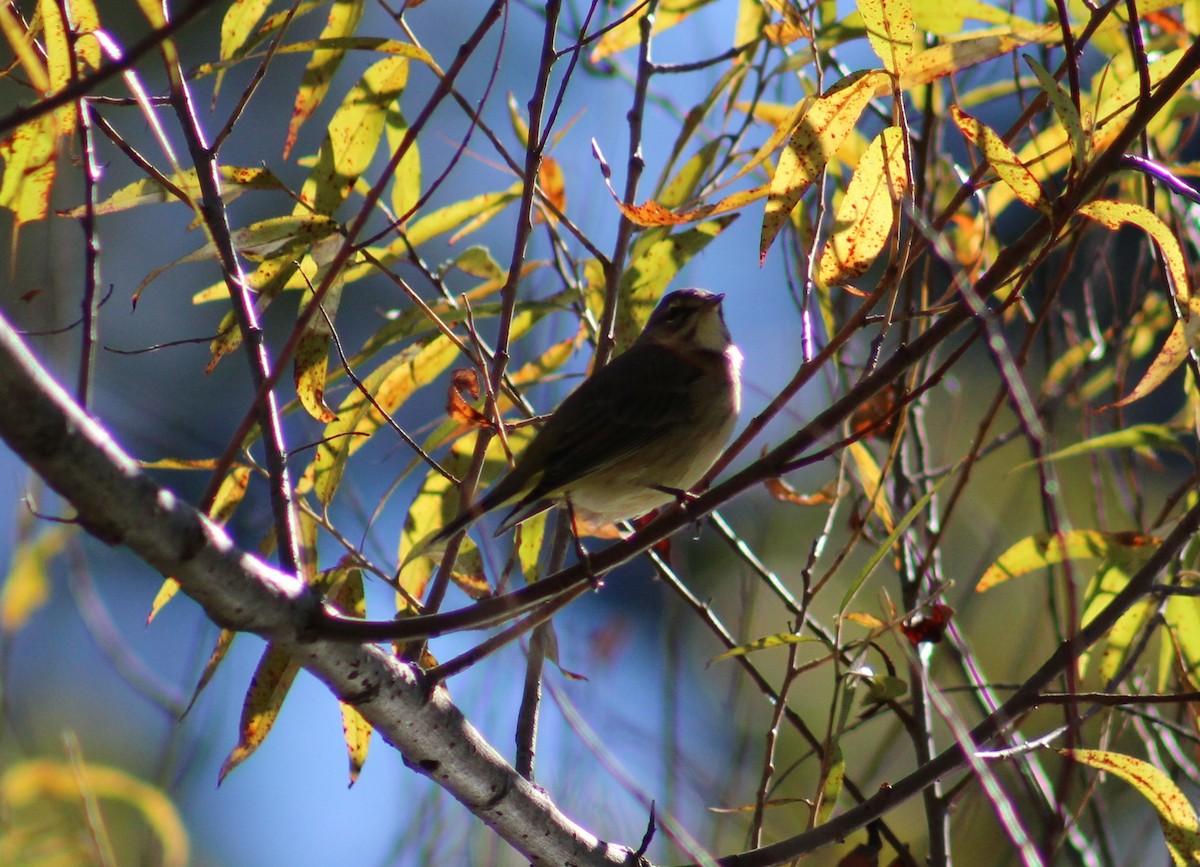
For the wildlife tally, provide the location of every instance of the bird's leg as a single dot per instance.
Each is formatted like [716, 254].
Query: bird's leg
[584, 557]
[682, 498]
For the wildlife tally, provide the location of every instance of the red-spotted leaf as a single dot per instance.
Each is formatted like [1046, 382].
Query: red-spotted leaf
[821, 131]
[866, 213]
[1175, 812]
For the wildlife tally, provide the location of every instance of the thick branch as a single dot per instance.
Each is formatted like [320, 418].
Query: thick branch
[119, 504]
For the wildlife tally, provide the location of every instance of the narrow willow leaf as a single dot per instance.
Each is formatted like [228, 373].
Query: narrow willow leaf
[628, 32]
[888, 543]
[833, 778]
[391, 384]
[236, 27]
[353, 136]
[1175, 812]
[23, 47]
[866, 213]
[1065, 109]
[406, 183]
[947, 17]
[1002, 160]
[347, 596]
[1115, 214]
[781, 639]
[342, 21]
[941, 60]
[651, 213]
[1143, 437]
[1182, 617]
[1180, 341]
[264, 699]
[871, 478]
[1045, 549]
[890, 30]
[235, 180]
[453, 216]
[311, 362]
[826, 124]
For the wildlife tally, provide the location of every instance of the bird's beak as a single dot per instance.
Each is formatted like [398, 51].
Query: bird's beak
[714, 300]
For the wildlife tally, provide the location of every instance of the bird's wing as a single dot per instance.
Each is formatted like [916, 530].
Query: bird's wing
[639, 398]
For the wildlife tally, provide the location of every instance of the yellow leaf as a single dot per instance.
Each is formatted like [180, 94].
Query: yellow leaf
[353, 136]
[1002, 159]
[406, 183]
[30, 157]
[628, 32]
[268, 688]
[890, 29]
[235, 180]
[941, 60]
[871, 478]
[33, 782]
[865, 215]
[20, 40]
[27, 584]
[1045, 549]
[826, 124]
[1113, 214]
[357, 420]
[1181, 339]
[343, 18]
[236, 27]
[1175, 812]
[311, 362]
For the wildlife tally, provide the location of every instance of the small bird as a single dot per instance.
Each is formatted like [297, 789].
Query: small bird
[639, 432]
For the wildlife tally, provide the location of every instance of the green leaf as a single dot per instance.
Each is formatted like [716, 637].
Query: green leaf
[1143, 437]
[891, 540]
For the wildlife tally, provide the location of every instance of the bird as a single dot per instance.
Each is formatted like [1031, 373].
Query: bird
[638, 433]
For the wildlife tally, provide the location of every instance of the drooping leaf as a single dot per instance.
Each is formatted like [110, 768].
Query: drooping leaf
[1182, 338]
[865, 216]
[342, 21]
[268, 688]
[1113, 215]
[1002, 160]
[353, 136]
[826, 124]
[1175, 812]
[1140, 437]
[391, 384]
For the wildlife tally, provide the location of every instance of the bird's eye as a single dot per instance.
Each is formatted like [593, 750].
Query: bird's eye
[677, 314]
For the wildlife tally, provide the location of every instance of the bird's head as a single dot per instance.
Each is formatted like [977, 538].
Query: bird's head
[689, 319]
